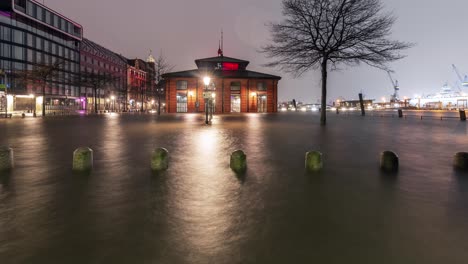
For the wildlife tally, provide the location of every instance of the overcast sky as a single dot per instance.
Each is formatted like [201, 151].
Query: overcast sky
[189, 29]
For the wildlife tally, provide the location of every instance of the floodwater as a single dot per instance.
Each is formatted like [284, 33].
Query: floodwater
[199, 211]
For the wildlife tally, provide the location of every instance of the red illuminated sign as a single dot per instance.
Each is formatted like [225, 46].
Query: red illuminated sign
[229, 66]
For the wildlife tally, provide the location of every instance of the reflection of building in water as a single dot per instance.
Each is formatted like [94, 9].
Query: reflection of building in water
[233, 88]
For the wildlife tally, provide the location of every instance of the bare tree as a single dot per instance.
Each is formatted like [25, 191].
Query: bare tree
[324, 33]
[42, 74]
[95, 81]
[162, 67]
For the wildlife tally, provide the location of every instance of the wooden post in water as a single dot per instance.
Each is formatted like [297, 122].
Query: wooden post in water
[400, 113]
[361, 102]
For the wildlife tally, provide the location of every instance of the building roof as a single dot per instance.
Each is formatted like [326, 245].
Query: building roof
[221, 59]
[110, 55]
[245, 74]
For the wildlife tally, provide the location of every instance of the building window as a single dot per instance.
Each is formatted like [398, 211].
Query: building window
[77, 31]
[5, 52]
[235, 86]
[30, 40]
[30, 55]
[55, 21]
[48, 17]
[39, 13]
[39, 43]
[261, 86]
[39, 58]
[18, 36]
[235, 103]
[182, 85]
[18, 53]
[182, 102]
[21, 4]
[262, 103]
[30, 8]
[5, 33]
[46, 45]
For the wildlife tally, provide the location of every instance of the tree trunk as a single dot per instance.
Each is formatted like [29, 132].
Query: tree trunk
[159, 103]
[323, 112]
[95, 101]
[43, 99]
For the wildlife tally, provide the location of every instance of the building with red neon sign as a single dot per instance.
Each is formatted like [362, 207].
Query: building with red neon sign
[235, 89]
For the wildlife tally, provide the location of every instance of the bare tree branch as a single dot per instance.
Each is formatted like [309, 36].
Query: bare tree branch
[42, 74]
[325, 33]
[162, 67]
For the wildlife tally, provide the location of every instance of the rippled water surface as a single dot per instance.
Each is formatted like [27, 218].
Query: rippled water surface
[199, 211]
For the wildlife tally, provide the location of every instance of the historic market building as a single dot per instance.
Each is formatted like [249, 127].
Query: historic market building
[233, 88]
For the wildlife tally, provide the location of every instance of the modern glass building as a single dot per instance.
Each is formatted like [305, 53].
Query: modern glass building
[31, 34]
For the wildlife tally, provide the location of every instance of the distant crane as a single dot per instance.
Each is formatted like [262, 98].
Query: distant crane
[464, 82]
[394, 97]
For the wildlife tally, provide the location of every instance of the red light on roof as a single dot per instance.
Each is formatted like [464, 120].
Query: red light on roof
[229, 66]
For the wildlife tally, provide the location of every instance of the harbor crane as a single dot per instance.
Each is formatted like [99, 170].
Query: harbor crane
[464, 82]
[394, 97]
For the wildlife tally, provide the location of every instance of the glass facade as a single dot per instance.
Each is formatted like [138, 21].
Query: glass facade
[31, 35]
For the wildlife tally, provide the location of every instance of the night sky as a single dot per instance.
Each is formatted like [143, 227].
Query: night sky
[187, 30]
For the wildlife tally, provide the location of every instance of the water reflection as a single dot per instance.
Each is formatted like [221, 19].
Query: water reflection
[204, 201]
[200, 212]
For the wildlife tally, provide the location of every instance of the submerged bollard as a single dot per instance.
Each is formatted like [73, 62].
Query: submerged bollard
[238, 162]
[460, 161]
[400, 113]
[160, 159]
[83, 159]
[7, 161]
[313, 161]
[389, 161]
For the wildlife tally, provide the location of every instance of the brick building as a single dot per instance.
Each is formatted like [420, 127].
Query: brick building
[97, 59]
[235, 89]
[141, 84]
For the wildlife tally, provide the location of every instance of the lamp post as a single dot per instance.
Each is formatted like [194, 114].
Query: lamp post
[207, 81]
[113, 103]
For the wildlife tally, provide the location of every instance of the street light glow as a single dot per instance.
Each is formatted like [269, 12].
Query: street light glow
[113, 97]
[207, 80]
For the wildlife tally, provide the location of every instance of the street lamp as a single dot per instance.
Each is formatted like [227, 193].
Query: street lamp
[113, 103]
[207, 81]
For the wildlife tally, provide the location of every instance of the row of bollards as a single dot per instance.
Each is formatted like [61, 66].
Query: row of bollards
[83, 160]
